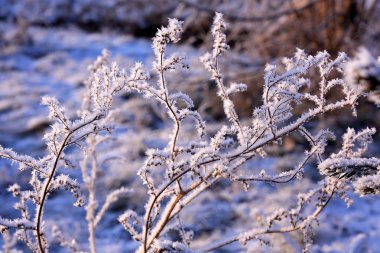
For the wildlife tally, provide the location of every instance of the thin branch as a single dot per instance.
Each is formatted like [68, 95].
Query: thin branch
[50, 178]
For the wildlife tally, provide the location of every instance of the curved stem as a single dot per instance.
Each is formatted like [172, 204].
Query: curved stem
[172, 148]
[271, 231]
[44, 194]
[48, 181]
[278, 180]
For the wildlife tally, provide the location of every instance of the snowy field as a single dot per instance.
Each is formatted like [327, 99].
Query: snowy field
[55, 64]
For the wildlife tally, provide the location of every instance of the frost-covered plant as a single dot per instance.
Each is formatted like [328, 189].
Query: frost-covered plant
[89, 167]
[93, 122]
[90, 163]
[178, 173]
[184, 171]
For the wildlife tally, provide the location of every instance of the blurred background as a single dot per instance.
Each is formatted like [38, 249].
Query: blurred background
[46, 46]
[36, 36]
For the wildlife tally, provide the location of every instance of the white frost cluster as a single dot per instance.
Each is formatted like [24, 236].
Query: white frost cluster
[165, 35]
[348, 162]
[220, 39]
[363, 67]
[368, 184]
[363, 72]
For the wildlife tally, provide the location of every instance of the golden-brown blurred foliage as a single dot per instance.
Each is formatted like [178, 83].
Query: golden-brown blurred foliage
[269, 29]
[330, 25]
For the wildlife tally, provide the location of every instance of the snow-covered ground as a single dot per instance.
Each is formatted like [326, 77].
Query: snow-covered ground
[55, 63]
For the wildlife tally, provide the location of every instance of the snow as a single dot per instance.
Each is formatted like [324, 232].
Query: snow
[56, 65]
